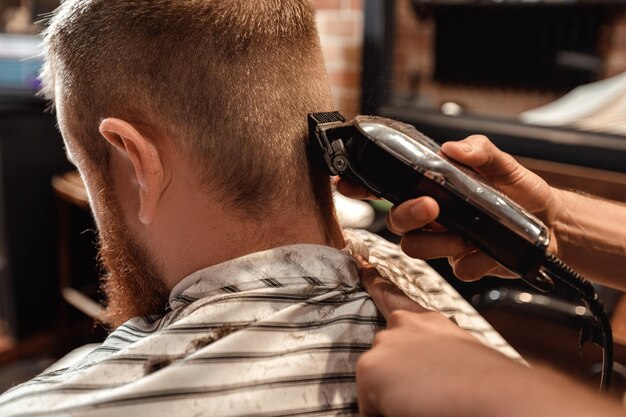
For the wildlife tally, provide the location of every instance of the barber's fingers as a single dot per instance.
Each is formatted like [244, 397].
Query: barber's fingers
[432, 245]
[468, 263]
[474, 265]
[387, 297]
[480, 153]
[412, 215]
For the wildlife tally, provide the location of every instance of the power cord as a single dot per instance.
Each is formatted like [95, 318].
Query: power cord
[602, 333]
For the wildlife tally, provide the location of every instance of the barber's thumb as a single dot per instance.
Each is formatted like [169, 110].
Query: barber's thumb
[462, 151]
[387, 297]
[478, 152]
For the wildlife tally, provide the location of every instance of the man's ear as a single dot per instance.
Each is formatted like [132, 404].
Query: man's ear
[145, 159]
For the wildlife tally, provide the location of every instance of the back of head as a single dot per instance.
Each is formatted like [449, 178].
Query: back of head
[228, 81]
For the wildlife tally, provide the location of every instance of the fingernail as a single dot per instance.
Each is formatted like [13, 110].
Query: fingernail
[418, 211]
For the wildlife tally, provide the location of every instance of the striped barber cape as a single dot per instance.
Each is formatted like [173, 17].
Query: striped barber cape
[274, 333]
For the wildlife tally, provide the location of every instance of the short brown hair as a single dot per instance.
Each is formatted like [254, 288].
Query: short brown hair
[230, 81]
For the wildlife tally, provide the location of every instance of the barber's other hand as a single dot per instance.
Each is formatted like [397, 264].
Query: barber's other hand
[424, 239]
[424, 365]
[420, 365]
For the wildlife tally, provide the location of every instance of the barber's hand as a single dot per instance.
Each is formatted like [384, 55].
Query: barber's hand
[423, 364]
[424, 239]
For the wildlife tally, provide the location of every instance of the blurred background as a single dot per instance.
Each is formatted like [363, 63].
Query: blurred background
[545, 80]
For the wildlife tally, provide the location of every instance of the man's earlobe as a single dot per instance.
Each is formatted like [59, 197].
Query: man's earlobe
[145, 159]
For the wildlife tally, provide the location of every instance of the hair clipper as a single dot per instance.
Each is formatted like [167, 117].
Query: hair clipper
[395, 161]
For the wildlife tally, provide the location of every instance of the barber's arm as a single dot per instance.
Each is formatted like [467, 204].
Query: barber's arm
[589, 234]
[424, 365]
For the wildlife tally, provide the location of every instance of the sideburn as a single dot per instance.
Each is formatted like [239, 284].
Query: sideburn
[131, 281]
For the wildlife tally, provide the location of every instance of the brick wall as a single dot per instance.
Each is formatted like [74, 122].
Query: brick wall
[340, 25]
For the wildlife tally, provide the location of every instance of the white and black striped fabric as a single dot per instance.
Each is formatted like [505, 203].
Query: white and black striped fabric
[275, 333]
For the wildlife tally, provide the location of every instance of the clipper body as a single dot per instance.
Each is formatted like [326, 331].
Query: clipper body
[396, 162]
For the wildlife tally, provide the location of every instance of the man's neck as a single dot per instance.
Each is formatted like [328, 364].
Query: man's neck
[197, 239]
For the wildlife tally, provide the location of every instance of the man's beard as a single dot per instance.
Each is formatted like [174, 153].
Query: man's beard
[131, 282]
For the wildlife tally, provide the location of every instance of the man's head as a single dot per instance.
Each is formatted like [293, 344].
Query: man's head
[223, 85]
